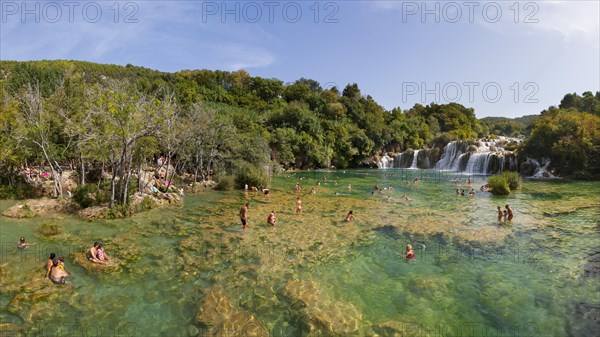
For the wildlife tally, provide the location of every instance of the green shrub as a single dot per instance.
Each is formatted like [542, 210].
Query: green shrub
[226, 183]
[19, 191]
[118, 211]
[513, 179]
[87, 195]
[148, 203]
[49, 229]
[251, 175]
[498, 185]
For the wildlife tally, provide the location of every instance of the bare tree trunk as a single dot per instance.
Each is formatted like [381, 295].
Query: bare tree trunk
[141, 186]
[111, 202]
[82, 177]
[125, 192]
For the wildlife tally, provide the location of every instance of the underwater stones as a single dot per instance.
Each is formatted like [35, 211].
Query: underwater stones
[220, 317]
[92, 267]
[397, 329]
[592, 268]
[587, 322]
[192, 330]
[316, 313]
[10, 329]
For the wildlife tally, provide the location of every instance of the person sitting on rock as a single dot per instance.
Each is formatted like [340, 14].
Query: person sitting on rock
[61, 263]
[57, 275]
[92, 254]
[102, 255]
[49, 264]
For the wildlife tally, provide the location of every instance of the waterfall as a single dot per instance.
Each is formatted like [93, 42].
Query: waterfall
[451, 157]
[385, 162]
[484, 156]
[415, 158]
[542, 169]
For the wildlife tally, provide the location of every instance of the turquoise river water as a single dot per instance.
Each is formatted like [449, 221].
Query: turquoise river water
[535, 276]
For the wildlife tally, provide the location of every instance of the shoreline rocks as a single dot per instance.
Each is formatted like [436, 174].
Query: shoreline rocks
[35, 207]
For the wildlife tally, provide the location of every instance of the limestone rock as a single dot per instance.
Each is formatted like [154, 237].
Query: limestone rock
[317, 313]
[114, 265]
[10, 329]
[94, 212]
[220, 317]
[31, 208]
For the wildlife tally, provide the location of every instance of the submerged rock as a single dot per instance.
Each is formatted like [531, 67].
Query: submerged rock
[115, 265]
[10, 329]
[219, 317]
[592, 268]
[585, 321]
[398, 329]
[317, 313]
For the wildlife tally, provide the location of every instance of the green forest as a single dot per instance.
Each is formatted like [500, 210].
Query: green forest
[210, 124]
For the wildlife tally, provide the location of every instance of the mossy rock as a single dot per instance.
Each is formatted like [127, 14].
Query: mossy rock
[115, 265]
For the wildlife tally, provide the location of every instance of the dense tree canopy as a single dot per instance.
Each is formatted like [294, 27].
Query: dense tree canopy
[203, 122]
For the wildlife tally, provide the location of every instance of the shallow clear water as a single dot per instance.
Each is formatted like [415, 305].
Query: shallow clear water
[471, 276]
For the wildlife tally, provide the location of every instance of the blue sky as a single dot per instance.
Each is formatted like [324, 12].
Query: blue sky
[503, 58]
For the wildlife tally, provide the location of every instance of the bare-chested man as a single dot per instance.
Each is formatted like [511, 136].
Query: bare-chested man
[298, 206]
[92, 254]
[244, 216]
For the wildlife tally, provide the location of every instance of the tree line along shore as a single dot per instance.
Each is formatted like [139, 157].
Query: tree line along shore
[107, 124]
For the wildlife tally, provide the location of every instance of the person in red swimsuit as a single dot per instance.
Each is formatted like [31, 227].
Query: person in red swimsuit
[410, 254]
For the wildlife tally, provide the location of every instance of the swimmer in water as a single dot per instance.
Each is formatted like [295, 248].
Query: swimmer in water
[22, 244]
[350, 216]
[410, 254]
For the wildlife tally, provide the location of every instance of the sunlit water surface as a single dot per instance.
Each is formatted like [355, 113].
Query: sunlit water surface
[471, 276]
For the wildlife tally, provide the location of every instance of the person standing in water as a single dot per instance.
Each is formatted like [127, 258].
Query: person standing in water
[271, 220]
[244, 216]
[510, 212]
[500, 214]
[298, 206]
[350, 216]
[410, 254]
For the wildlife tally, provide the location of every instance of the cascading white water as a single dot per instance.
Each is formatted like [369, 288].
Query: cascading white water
[484, 157]
[415, 158]
[450, 157]
[542, 170]
[386, 162]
